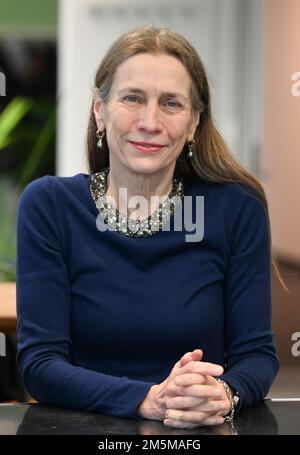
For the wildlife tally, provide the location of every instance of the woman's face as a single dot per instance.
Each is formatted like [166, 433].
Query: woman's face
[149, 103]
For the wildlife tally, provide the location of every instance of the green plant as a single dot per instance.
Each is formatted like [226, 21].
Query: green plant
[10, 118]
[28, 124]
[9, 196]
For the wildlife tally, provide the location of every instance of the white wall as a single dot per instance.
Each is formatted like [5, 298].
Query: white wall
[281, 152]
[223, 31]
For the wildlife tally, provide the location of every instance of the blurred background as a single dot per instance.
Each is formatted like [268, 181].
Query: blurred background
[49, 52]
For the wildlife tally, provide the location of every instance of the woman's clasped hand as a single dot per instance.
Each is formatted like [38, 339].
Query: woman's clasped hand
[190, 396]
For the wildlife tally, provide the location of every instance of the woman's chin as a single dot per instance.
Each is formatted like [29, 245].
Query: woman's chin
[145, 166]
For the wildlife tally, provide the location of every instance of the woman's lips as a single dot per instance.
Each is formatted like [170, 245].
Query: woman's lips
[143, 147]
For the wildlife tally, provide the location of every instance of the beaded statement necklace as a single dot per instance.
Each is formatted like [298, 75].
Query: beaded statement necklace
[131, 227]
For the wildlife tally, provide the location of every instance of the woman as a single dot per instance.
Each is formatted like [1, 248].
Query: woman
[119, 311]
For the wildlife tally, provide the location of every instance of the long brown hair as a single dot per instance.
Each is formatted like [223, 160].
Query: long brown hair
[212, 160]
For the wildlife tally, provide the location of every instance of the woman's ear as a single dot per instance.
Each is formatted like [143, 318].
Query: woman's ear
[193, 125]
[98, 110]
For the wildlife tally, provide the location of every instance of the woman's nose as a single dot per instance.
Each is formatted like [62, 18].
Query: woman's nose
[149, 119]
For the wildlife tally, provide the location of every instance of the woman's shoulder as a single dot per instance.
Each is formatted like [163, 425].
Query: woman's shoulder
[234, 193]
[46, 184]
[50, 189]
[48, 180]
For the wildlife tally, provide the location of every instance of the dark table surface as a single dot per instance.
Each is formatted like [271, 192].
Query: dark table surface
[268, 417]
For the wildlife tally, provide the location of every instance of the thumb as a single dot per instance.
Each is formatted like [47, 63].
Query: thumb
[197, 354]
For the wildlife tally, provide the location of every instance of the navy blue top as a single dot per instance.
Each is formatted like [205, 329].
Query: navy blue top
[102, 316]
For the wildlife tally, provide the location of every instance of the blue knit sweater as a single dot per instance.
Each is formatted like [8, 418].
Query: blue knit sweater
[102, 316]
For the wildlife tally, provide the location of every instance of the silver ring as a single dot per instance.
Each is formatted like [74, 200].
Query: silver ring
[175, 415]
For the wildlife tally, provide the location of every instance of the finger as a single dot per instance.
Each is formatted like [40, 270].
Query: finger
[204, 368]
[183, 402]
[186, 359]
[197, 390]
[172, 390]
[190, 379]
[173, 419]
[213, 420]
[194, 417]
[178, 424]
[210, 380]
[194, 391]
[196, 355]
[219, 407]
[180, 419]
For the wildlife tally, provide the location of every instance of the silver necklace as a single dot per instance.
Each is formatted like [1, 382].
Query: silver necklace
[129, 227]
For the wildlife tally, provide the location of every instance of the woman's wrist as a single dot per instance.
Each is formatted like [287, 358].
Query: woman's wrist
[153, 406]
[232, 397]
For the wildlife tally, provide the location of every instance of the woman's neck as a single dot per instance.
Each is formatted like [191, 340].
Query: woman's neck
[147, 191]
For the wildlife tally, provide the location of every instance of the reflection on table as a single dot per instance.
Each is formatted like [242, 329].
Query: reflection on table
[268, 417]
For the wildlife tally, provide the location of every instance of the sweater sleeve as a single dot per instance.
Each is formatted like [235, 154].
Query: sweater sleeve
[251, 362]
[44, 316]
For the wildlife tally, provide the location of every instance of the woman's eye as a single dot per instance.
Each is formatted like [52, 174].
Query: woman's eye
[173, 104]
[131, 98]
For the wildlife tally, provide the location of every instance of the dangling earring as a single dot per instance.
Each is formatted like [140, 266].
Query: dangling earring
[190, 146]
[100, 136]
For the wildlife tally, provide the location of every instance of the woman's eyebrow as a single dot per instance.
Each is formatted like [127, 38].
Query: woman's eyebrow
[142, 92]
